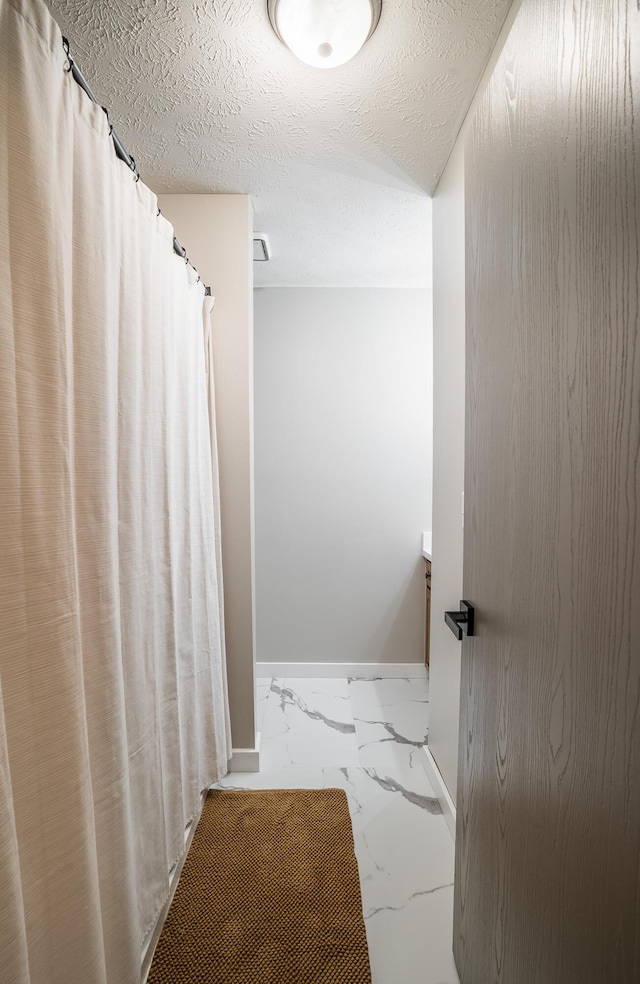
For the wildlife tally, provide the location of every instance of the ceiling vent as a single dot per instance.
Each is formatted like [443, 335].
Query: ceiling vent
[261, 251]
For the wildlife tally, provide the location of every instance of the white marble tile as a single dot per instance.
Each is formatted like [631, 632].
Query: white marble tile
[405, 856]
[308, 723]
[378, 750]
[365, 737]
[407, 781]
[412, 945]
[402, 706]
[263, 687]
[391, 719]
[405, 850]
[291, 778]
[389, 690]
[395, 819]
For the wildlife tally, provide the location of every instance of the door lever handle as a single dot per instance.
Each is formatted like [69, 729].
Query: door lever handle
[462, 621]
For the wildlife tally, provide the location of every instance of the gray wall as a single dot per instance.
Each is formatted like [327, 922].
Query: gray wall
[342, 472]
[449, 327]
[448, 464]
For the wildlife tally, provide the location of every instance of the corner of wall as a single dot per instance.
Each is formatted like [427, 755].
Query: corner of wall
[217, 232]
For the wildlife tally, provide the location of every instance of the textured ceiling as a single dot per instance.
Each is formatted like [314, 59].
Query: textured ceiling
[339, 164]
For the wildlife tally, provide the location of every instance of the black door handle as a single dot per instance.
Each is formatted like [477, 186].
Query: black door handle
[462, 621]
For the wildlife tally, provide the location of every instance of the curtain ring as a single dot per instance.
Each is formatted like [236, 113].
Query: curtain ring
[67, 51]
[106, 113]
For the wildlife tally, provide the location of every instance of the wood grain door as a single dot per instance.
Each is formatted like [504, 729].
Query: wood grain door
[548, 836]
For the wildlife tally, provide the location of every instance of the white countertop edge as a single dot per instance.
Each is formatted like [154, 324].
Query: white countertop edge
[426, 546]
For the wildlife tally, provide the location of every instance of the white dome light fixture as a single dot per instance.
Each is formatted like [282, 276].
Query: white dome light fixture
[324, 33]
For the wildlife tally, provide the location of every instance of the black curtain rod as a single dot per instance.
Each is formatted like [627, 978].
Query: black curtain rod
[119, 149]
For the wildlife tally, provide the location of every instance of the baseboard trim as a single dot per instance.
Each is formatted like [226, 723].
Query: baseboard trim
[246, 759]
[356, 671]
[439, 786]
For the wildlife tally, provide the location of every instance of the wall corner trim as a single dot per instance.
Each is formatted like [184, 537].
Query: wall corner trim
[246, 759]
[442, 793]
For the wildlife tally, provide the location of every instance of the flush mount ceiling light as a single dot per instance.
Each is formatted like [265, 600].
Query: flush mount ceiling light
[324, 33]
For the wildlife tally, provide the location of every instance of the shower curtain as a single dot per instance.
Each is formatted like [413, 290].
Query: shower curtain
[113, 705]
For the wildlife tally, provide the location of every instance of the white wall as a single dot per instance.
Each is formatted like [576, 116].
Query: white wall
[449, 328]
[448, 463]
[342, 472]
[217, 233]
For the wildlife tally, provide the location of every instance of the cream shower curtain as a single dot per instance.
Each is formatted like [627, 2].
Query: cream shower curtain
[113, 707]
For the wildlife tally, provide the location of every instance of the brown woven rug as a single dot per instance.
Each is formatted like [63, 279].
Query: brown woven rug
[269, 894]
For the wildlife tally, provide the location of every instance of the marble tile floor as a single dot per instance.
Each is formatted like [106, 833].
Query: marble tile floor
[365, 736]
